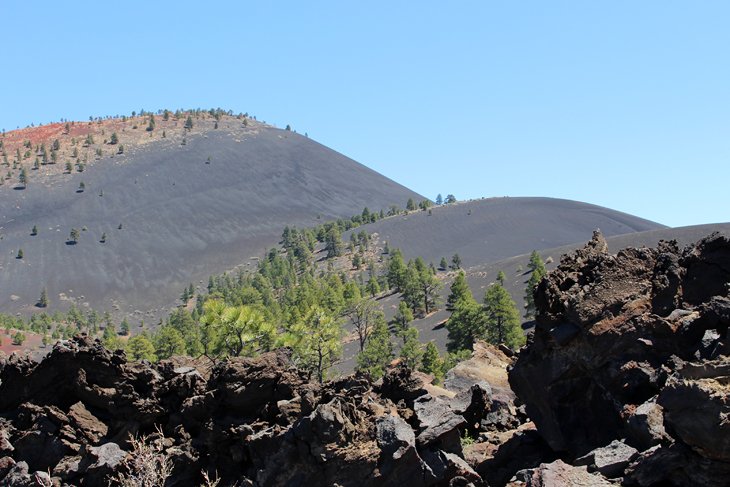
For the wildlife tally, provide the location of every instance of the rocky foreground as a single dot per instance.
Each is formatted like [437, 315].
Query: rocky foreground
[626, 380]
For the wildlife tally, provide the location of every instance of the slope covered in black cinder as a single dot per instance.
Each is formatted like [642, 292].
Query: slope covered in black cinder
[186, 212]
[491, 229]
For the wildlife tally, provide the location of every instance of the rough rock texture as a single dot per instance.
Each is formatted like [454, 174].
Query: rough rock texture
[634, 346]
[247, 421]
[561, 474]
[611, 461]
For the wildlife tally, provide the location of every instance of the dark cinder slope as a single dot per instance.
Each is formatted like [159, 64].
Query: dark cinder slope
[183, 218]
[491, 229]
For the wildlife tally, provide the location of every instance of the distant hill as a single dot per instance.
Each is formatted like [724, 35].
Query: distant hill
[491, 229]
[175, 209]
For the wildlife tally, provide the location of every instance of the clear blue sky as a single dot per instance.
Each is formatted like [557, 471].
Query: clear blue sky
[624, 104]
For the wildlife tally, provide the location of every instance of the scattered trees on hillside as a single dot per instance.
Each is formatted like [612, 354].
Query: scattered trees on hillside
[292, 300]
[416, 281]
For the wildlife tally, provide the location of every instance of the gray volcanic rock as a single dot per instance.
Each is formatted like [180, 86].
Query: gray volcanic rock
[253, 420]
[639, 364]
[559, 473]
[696, 404]
[438, 424]
[610, 460]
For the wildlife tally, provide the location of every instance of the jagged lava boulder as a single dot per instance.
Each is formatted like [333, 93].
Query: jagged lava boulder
[634, 347]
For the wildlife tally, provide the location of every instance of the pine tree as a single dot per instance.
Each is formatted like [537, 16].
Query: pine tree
[168, 342]
[503, 319]
[74, 235]
[501, 277]
[430, 287]
[372, 286]
[443, 265]
[455, 262]
[357, 261]
[396, 270]
[333, 242]
[363, 314]
[124, 327]
[20, 254]
[189, 123]
[535, 262]
[403, 316]
[43, 300]
[23, 178]
[431, 362]
[411, 351]
[141, 348]
[378, 352]
[467, 323]
[317, 341]
[459, 290]
[114, 139]
[410, 205]
[537, 267]
[439, 199]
